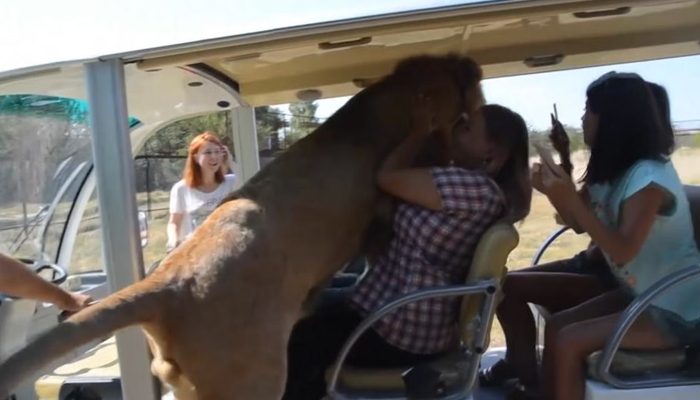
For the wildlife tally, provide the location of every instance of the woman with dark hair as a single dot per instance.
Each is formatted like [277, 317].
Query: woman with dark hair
[442, 211]
[556, 285]
[635, 210]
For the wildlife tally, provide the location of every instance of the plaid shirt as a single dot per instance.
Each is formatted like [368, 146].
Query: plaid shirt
[430, 249]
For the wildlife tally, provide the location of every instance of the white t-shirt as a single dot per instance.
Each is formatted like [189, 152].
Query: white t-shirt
[194, 205]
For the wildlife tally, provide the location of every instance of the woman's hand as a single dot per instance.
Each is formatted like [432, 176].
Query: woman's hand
[558, 137]
[556, 184]
[170, 246]
[561, 143]
[228, 166]
[74, 302]
[536, 177]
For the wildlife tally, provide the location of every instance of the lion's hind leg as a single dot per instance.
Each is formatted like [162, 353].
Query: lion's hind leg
[170, 374]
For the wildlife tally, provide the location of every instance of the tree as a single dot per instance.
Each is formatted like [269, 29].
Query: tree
[303, 120]
[268, 122]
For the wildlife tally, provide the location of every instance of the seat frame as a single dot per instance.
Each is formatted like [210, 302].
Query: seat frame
[480, 296]
[489, 288]
[630, 315]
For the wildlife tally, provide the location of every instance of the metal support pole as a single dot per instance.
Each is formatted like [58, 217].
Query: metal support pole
[245, 142]
[121, 244]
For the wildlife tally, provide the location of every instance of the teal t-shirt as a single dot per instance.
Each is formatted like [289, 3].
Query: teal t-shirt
[670, 245]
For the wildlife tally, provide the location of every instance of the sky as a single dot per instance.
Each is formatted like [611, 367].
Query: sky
[533, 95]
[37, 32]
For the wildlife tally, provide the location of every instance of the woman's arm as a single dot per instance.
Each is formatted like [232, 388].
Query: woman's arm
[228, 167]
[172, 230]
[638, 214]
[19, 281]
[414, 185]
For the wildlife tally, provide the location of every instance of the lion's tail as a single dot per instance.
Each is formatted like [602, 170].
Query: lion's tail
[132, 305]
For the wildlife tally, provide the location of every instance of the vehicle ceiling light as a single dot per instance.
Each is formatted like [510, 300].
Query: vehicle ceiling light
[345, 43]
[363, 82]
[610, 12]
[543, 61]
[309, 95]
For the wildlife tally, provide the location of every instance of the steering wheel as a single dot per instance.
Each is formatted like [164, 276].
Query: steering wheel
[49, 271]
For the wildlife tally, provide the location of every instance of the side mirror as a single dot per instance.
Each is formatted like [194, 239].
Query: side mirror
[143, 228]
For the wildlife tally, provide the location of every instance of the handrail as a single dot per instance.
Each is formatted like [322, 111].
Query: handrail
[548, 242]
[489, 287]
[628, 317]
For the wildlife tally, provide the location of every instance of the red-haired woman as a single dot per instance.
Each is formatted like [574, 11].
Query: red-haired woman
[203, 186]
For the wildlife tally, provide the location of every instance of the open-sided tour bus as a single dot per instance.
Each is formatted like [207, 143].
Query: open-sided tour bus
[84, 191]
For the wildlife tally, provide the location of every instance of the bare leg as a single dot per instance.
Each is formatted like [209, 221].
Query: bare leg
[552, 290]
[567, 345]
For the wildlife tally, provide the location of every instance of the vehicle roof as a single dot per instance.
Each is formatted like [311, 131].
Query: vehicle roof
[506, 37]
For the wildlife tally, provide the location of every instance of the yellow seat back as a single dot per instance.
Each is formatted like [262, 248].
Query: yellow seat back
[489, 262]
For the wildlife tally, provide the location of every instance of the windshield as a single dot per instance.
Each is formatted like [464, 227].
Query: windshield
[45, 156]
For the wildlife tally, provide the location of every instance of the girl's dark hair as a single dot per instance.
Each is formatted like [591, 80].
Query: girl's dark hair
[507, 128]
[629, 126]
[663, 106]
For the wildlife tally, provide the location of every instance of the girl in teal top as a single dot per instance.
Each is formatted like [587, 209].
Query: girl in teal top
[635, 210]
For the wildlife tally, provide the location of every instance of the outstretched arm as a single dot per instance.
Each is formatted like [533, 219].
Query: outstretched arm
[19, 281]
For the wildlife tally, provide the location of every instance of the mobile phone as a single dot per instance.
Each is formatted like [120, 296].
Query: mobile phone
[556, 114]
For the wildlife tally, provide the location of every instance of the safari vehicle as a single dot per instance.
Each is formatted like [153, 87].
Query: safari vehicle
[71, 128]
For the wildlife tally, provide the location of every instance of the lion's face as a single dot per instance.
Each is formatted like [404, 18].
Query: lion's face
[450, 107]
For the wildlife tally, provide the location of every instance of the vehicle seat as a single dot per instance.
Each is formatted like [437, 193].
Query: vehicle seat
[489, 262]
[628, 363]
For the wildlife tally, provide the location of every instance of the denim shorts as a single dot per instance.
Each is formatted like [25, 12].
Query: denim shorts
[674, 327]
[582, 264]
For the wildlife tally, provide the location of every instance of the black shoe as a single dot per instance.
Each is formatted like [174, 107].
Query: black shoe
[520, 392]
[497, 375]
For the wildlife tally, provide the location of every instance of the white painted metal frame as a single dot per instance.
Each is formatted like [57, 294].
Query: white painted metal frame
[121, 245]
[245, 142]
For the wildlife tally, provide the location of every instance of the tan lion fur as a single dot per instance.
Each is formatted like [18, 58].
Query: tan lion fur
[219, 309]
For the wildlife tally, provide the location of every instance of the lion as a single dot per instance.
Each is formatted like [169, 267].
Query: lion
[219, 309]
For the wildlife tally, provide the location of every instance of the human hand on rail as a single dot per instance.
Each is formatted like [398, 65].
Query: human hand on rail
[74, 301]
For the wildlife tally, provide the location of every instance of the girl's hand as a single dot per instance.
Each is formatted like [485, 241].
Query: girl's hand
[558, 137]
[557, 186]
[536, 177]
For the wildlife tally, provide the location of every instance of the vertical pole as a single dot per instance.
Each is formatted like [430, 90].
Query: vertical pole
[121, 244]
[245, 142]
